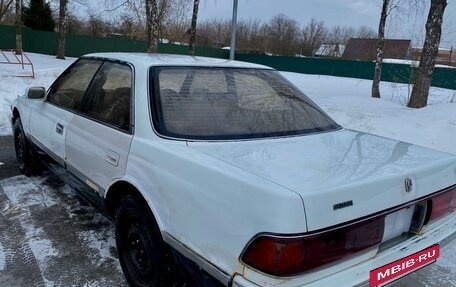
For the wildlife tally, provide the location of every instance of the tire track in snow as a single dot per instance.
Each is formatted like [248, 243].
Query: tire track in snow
[17, 252]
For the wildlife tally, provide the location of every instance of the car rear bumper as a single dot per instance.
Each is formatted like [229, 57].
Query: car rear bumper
[358, 275]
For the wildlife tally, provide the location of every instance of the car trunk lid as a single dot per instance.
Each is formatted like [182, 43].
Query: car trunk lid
[342, 175]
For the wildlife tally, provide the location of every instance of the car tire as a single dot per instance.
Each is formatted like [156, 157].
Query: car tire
[144, 257]
[27, 161]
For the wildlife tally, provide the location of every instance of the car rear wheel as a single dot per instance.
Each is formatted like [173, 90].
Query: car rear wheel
[27, 161]
[144, 257]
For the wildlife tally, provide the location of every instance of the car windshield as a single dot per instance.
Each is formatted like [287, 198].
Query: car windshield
[206, 103]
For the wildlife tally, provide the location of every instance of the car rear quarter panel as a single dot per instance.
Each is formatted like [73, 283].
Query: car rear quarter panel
[209, 206]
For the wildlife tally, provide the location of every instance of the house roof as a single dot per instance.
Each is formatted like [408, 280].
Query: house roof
[366, 49]
[330, 50]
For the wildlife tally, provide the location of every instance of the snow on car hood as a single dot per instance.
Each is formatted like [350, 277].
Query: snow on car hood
[337, 167]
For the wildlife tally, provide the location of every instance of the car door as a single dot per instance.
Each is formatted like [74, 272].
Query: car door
[98, 138]
[49, 119]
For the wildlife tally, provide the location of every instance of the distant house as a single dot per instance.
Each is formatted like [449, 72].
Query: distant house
[366, 49]
[330, 50]
[444, 56]
[208, 38]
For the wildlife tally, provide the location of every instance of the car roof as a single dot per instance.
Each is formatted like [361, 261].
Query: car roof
[152, 59]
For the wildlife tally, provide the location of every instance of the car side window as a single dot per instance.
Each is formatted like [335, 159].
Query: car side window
[69, 91]
[109, 96]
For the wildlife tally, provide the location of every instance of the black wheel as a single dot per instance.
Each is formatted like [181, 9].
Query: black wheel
[144, 257]
[27, 161]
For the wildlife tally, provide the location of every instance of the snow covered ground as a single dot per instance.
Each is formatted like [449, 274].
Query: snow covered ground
[347, 100]
[47, 68]
[51, 237]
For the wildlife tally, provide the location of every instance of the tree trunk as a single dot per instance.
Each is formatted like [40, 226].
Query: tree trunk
[192, 31]
[62, 28]
[380, 46]
[152, 26]
[423, 79]
[18, 26]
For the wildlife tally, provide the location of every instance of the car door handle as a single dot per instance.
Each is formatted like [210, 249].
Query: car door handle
[59, 129]
[112, 157]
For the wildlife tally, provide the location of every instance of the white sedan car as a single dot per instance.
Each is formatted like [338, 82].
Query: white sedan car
[224, 168]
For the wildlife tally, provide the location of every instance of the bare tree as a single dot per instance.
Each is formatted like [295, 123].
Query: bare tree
[4, 7]
[380, 46]
[150, 16]
[340, 35]
[422, 82]
[73, 24]
[284, 34]
[62, 28]
[365, 32]
[177, 21]
[313, 35]
[130, 28]
[192, 30]
[18, 26]
[95, 26]
[163, 10]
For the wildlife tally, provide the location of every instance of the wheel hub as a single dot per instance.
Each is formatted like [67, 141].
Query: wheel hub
[139, 252]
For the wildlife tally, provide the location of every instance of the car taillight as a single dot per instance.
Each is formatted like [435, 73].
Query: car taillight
[442, 204]
[286, 256]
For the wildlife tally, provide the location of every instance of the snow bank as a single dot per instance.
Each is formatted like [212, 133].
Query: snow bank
[47, 68]
[348, 101]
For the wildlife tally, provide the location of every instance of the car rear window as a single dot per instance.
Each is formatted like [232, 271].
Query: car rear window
[231, 103]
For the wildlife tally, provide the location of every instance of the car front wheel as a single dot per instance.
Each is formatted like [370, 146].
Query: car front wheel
[144, 257]
[27, 161]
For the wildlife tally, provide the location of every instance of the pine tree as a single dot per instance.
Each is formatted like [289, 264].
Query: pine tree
[38, 16]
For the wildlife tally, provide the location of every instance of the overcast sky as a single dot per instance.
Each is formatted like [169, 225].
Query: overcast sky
[353, 13]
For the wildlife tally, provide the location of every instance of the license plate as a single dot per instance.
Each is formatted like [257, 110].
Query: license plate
[395, 270]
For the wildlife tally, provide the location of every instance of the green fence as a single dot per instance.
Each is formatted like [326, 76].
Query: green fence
[399, 73]
[77, 45]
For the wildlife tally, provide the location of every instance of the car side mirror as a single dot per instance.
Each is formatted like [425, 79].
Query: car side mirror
[36, 93]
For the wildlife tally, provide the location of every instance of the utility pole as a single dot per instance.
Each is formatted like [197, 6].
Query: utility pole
[233, 29]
